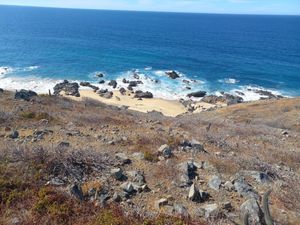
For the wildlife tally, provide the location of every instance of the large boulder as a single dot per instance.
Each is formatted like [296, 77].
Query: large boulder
[197, 195]
[251, 211]
[113, 83]
[68, 88]
[25, 95]
[244, 189]
[141, 94]
[197, 94]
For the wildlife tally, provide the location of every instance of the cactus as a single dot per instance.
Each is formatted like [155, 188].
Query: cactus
[246, 219]
[266, 210]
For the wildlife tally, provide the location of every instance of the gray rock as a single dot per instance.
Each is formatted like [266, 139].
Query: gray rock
[101, 82]
[137, 177]
[180, 210]
[188, 173]
[244, 189]
[197, 196]
[260, 177]
[192, 146]
[14, 135]
[141, 94]
[88, 84]
[229, 186]
[161, 202]
[165, 150]
[25, 95]
[55, 182]
[76, 191]
[123, 158]
[211, 210]
[251, 207]
[63, 144]
[122, 91]
[107, 95]
[215, 183]
[138, 155]
[117, 173]
[128, 187]
[197, 94]
[68, 88]
[1, 90]
[133, 84]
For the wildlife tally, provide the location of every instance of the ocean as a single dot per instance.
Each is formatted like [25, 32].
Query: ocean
[39, 47]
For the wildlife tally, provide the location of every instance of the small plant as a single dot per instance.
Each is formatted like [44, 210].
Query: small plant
[150, 157]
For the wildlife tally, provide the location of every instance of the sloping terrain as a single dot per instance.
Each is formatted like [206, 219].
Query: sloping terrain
[68, 162]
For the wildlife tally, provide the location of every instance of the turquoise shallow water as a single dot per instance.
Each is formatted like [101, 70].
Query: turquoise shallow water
[222, 52]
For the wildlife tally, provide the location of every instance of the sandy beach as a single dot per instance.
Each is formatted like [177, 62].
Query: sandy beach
[171, 108]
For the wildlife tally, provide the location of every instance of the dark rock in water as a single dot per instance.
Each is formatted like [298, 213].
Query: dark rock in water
[268, 94]
[14, 135]
[225, 98]
[172, 74]
[69, 88]
[141, 94]
[100, 75]
[186, 81]
[198, 94]
[1, 90]
[101, 81]
[122, 91]
[240, 93]
[136, 76]
[25, 95]
[113, 83]
[87, 84]
[133, 84]
[76, 191]
[125, 81]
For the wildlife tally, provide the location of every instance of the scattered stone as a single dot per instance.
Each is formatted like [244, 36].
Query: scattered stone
[195, 195]
[225, 98]
[137, 176]
[63, 144]
[192, 145]
[229, 186]
[125, 81]
[285, 133]
[76, 191]
[14, 135]
[251, 207]
[117, 173]
[107, 95]
[113, 83]
[116, 197]
[123, 158]
[88, 84]
[172, 74]
[198, 94]
[141, 94]
[166, 151]
[25, 95]
[180, 210]
[211, 210]
[122, 91]
[55, 182]
[160, 203]
[215, 183]
[138, 155]
[260, 177]
[227, 206]
[244, 189]
[189, 173]
[1, 90]
[128, 187]
[68, 88]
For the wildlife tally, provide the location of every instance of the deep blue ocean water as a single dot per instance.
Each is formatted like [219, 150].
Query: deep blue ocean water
[222, 52]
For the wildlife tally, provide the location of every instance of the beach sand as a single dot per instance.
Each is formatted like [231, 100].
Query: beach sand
[171, 108]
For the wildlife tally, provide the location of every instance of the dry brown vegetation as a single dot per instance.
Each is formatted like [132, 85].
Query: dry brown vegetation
[237, 138]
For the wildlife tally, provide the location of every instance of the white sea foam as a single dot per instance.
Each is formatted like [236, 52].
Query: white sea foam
[30, 68]
[5, 70]
[229, 81]
[250, 94]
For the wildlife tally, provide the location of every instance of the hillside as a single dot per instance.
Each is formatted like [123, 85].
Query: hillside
[70, 162]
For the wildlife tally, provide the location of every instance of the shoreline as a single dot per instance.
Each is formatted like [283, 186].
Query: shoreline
[170, 108]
